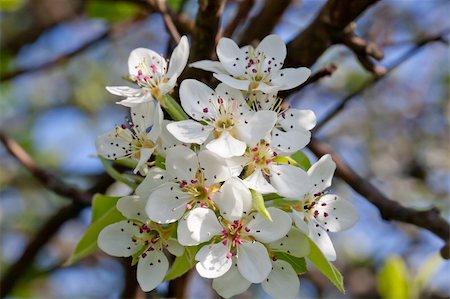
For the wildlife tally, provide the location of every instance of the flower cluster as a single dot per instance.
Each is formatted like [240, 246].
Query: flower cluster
[222, 181]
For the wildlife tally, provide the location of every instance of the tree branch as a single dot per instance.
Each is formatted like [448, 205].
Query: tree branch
[169, 23]
[50, 181]
[389, 209]
[45, 233]
[370, 82]
[204, 36]
[263, 23]
[326, 29]
[244, 8]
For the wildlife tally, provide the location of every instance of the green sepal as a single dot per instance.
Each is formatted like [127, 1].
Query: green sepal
[258, 204]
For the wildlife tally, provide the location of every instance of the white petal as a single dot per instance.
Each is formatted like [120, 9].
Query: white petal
[275, 50]
[256, 181]
[268, 231]
[166, 139]
[290, 141]
[113, 146]
[142, 115]
[290, 181]
[197, 99]
[283, 282]
[256, 127]
[217, 169]
[227, 146]
[182, 163]
[209, 66]
[294, 243]
[167, 204]
[229, 94]
[322, 240]
[213, 260]
[144, 155]
[174, 247]
[292, 119]
[300, 222]
[268, 89]
[321, 173]
[253, 261]
[115, 239]
[230, 81]
[155, 178]
[157, 118]
[133, 101]
[166, 87]
[233, 199]
[151, 270]
[189, 131]
[124, 91]
[335, 213]
[231, 56]
[203, 224]
[179, 58]
[290, 77]
[231, 283]
[148, 57]
[184, 235]
[132, 207]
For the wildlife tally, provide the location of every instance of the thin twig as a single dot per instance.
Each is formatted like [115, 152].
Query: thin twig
[168, 22]
[389, 209]
[370, 82]
[50, 181]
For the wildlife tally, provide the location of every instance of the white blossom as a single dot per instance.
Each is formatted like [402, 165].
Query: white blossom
[139, 237]
[223, 119]
[190, 180]
[141, 137]
[317, 212]
[257, 69]
[242, 239]
[149, 71]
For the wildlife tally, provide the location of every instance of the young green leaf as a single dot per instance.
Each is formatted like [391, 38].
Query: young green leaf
[298, 263]
[323, 265]
[183, 263]
[104, 212]
[393, 279]
[301, 159]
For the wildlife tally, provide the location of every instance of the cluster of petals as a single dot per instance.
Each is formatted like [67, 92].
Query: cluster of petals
[202, 193]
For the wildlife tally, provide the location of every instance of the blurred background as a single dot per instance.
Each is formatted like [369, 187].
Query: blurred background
[58, 55]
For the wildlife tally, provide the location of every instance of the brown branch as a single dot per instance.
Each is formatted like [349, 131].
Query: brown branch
[50, 181]
[244, 8]
[45, 233]
[326, 71]
[168, 22]
[370, 82]
[178, 287]
[204, 36]
[263, 23]
[64, 58]
[389, 209]
[326, 29]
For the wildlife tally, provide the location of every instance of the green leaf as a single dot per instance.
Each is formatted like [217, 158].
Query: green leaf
[174, 5]
[323, 265]
[301, 159]
[425, 272]
[258, 204]
[393, 279]
[112, 11]
[173, 108]
[183, 263]
[11, 5]
[104, 212]
[298, 263]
